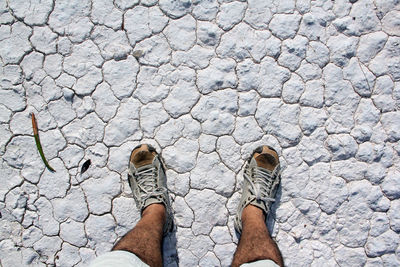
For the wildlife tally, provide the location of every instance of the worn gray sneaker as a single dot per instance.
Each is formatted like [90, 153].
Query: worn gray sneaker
[261, 180]
[148, 181]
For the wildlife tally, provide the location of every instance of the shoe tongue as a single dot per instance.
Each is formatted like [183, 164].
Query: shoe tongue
[266, 161]
[143, 158]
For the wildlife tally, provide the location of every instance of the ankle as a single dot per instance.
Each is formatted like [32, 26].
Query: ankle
[157, 209]
[252, 213]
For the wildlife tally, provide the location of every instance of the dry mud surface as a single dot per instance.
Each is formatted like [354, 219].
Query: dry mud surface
[205, 82]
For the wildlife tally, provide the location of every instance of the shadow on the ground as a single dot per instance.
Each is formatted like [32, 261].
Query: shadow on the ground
[170, 254]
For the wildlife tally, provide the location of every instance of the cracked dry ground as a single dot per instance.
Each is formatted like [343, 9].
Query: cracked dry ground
[205, 82]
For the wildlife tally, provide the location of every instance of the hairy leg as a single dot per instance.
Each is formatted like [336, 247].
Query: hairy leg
[255, 242]
[145, 239]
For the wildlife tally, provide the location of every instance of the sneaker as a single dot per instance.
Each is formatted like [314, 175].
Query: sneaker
[261, 180]
[148, 181]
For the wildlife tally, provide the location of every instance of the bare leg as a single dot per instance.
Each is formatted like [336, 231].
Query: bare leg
[145, 239]
[255, 242]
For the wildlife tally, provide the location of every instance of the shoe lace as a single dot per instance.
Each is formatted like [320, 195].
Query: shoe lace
[261, 182]
[147, 184]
